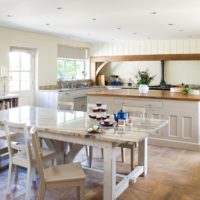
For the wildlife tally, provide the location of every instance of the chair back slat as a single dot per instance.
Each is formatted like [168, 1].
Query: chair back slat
[134, 111]
[12, 129]
[38, 152]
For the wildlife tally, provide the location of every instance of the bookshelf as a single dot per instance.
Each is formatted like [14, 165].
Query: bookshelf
[9, 101]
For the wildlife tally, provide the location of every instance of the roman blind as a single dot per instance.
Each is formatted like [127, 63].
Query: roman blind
[72, 52]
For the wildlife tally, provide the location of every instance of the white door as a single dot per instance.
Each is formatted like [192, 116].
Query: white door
[21, 75]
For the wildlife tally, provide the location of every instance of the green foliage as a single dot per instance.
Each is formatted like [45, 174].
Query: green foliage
[186, 89]
[144, 77]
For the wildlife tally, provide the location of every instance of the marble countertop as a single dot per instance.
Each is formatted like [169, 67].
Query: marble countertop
[70, 89]
[153, 94]
[76, 123]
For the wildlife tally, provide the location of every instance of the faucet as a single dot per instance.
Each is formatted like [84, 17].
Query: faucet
[61, 85]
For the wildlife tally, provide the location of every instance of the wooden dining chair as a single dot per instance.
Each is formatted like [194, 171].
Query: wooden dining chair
[22, 155]
[68, 106]
[137, 112]
[57, 176]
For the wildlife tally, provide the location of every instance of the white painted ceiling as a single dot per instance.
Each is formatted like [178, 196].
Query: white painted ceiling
[115, 19]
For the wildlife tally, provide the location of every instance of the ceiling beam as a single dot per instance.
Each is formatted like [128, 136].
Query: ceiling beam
[145, 57]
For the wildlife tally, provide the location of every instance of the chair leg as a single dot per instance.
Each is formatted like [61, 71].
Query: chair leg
[16, 173]
[86, 150]
[81, 193]
[132, 158]
[123, 154]
[102, 153]
[30, 174]
[41, 191]
[54, 162]
[34, 174]
[8, 189]
[90, 156]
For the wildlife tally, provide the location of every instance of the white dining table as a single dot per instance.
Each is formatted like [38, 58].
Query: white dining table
[71, 126]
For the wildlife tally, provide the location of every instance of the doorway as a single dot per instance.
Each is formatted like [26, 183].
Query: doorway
[22, 74]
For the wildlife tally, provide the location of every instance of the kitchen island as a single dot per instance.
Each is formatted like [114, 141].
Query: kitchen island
[181, 110]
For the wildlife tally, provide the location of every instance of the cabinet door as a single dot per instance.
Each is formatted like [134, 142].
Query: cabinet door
[44, 99]
[80, 104]
[155, 114]
[52, 99]
[183, 121]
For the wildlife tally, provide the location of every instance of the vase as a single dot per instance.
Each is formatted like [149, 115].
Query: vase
[143, 88]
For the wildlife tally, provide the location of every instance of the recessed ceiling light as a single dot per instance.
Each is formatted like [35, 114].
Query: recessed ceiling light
[94, 19]
[153, 13]
[59, 8]
[170, 24]
[47, 24]
[9, 15]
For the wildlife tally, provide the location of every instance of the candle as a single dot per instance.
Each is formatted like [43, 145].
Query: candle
[1, 71]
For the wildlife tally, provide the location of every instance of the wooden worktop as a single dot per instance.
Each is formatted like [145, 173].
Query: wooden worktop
[153, 94]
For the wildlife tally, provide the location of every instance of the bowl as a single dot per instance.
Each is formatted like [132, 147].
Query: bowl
[93, 116]
[99, 104]
[106, 122]
[98, 117]
[95, 109]
[105, 117]
[102, 110]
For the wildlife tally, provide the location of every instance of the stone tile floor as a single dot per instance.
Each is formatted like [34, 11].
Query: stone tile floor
[173, 174]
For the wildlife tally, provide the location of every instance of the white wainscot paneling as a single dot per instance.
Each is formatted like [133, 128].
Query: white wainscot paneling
[178, 46]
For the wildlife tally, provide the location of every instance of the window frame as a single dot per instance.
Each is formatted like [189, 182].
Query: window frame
[75, 61]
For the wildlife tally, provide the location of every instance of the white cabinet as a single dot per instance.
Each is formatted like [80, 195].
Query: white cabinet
[77, 96]
[183, 121]
[80, 103]
[47, 99]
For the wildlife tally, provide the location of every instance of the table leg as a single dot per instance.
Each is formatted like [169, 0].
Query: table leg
[109, 178]
[76, 148]
[142, 155]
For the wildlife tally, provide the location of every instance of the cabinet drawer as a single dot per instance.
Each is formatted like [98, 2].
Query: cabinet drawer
[63, 96]
[139, 103]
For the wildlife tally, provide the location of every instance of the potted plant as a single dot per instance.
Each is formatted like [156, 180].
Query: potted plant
[144, 78]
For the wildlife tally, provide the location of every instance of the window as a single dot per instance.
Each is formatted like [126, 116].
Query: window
[72, 69]
[72, 63]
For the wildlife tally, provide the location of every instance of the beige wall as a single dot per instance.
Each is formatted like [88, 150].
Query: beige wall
[176, 72]
[46, 46]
